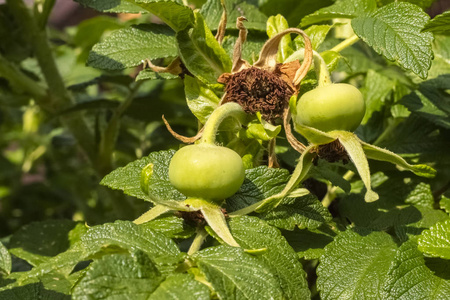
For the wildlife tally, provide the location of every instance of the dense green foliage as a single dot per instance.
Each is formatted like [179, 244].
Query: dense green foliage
[84, 152]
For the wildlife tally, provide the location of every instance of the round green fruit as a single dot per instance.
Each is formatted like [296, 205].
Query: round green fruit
[206, 171]
[337, 106]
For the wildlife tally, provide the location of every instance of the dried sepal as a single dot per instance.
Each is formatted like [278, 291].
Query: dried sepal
[222, 24]
[182, 138]
[296, 144]
[268, 55]
[238, 63]
[175, 67]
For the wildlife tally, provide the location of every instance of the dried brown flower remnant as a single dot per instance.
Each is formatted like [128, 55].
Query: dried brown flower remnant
[258, 90]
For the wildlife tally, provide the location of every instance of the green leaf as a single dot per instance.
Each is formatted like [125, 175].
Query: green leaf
[250, 49]
[309, 244]
[5, 260]
[304, 212]
[340, 9]
[116, 6]
[119, 276]
[171, 12]
[431, 101]
[200, 98]
[212, 12]
[261, 129]
[171, 226]
[355, 265]
[316, 33]
[32, 292]
[259, 184]
[253, 233]
[416, 135]
[230, 270]
[201, 53]
[436, 241]
[444, 204]
[275, 25]
[377, 88]
[129, 47]
[129, 236]
[394, 32]
[37, 242]
[181, 287]
[410, 278]
[439, 24]
[128, 178]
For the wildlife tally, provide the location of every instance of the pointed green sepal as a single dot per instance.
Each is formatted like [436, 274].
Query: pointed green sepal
[214, 217]
[313, 135]
[356, 153]
[152, 214]
[377, 153]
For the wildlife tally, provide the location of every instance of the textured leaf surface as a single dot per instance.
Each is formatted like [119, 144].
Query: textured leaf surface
[181, 287]
[409, 277]
[394, 32]
[303, 212]
[440, 24]
[340, 9]
[171, 226]
[128, 178]
[37, 242]
[309, 244]
[5, 260]
[235, 274]
[436, 241]
[253, 233]
[212, 12]
[128, 47]
[355, 265]
[130, 236]
[201, 53]
[431, 101]
[200, 98]
[32, 292]
[260, 183]
[119, 276]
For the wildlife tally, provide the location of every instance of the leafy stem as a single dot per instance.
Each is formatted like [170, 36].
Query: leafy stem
[345, 43]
